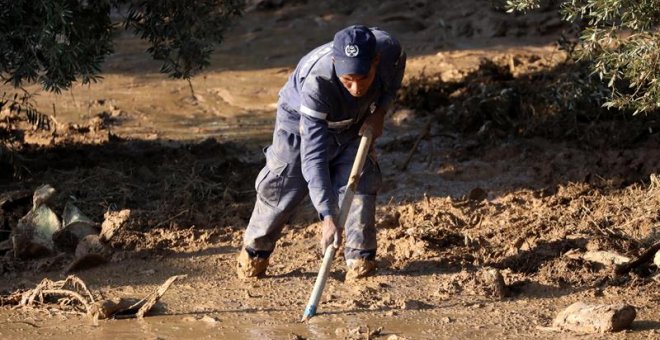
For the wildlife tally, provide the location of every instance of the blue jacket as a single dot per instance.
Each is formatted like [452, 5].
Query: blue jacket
[315, 105]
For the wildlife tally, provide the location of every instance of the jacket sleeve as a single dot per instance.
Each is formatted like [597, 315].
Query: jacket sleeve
[391, 68]
[314, 110]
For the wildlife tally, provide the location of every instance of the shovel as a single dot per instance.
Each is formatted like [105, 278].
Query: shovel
[345, 207]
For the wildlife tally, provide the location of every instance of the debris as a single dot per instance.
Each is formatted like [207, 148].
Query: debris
[75, 226]
[15, 196]
[643, 258]
[70, 290]
[114, 220]
[605, 258]
[73, 293]
[125, 308]
[139, 309]
[581, 317]
[33, 236]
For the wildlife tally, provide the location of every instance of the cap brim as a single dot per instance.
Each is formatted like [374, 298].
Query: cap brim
[352, 66]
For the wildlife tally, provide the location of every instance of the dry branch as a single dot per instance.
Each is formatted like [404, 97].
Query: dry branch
[421, 136]
[58, 288]
[645, 257]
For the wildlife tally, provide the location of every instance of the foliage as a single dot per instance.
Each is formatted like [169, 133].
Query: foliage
[182, 32]
[561, 101]
[620, 39]
[53, 42]
[56, 42]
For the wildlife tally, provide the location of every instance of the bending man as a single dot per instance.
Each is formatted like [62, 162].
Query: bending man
[335, 92]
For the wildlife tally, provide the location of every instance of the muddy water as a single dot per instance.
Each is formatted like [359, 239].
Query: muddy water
[255, 325]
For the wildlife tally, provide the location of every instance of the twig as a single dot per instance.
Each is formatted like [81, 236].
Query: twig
[78, 283]
[21, 321]
[69, 293]
[646, 256]
[155, 296]
[192, 90]
[148, 302]
[422, 134]
[171, 218]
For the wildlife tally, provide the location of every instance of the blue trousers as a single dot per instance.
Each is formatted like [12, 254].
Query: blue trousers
[281, 188]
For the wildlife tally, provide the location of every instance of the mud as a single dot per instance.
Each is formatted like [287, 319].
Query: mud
[173, 176]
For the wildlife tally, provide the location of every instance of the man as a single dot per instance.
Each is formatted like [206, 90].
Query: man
[336, 91]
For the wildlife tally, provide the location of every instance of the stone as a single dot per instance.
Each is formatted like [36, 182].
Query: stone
[581, 317]
[605, 258]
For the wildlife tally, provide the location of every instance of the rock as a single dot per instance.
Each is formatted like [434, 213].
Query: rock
[42, 195]
[605, 258]
[413, 305]
[581, 317]
[91, 244]
[656, 259]
[494, 282]
[105, 309]
[478, 194]
[114, 220]
[395, 337]
[209, 320]
[90, 253]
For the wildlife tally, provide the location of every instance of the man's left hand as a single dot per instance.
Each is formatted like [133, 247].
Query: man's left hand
[375, 122]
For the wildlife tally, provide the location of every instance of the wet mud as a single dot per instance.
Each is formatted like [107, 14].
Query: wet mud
[484, 234]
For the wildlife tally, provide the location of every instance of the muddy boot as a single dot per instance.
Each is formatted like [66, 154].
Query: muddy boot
[359, 268]
[249, 267]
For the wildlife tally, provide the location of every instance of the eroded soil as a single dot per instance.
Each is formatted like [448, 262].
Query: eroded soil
[470, 200]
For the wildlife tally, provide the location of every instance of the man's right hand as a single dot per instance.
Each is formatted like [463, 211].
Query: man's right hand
[330, 230]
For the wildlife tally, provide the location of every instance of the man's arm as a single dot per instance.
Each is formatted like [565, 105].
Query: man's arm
[315, 165]
[376, 120]
[391, 69]
[316, 171]
[315, 106]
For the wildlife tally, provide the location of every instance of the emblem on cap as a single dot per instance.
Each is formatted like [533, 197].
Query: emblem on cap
[351, 50]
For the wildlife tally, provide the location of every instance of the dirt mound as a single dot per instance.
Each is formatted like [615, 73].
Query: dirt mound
[527, 95]
[527, 232]
[170, 187]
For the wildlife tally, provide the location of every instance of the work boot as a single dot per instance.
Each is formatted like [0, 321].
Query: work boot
[248, 267]
[360, 268]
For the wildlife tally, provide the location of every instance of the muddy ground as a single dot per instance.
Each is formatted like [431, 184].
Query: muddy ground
[519, 189]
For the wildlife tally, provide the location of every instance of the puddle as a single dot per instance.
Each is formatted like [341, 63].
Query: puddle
[257, 325]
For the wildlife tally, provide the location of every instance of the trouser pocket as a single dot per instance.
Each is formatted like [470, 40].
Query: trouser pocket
[271, 179]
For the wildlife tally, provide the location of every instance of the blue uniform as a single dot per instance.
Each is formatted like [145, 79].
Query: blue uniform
[315, 141]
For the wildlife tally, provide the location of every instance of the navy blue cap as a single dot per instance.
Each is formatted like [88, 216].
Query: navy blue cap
[353, 49]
